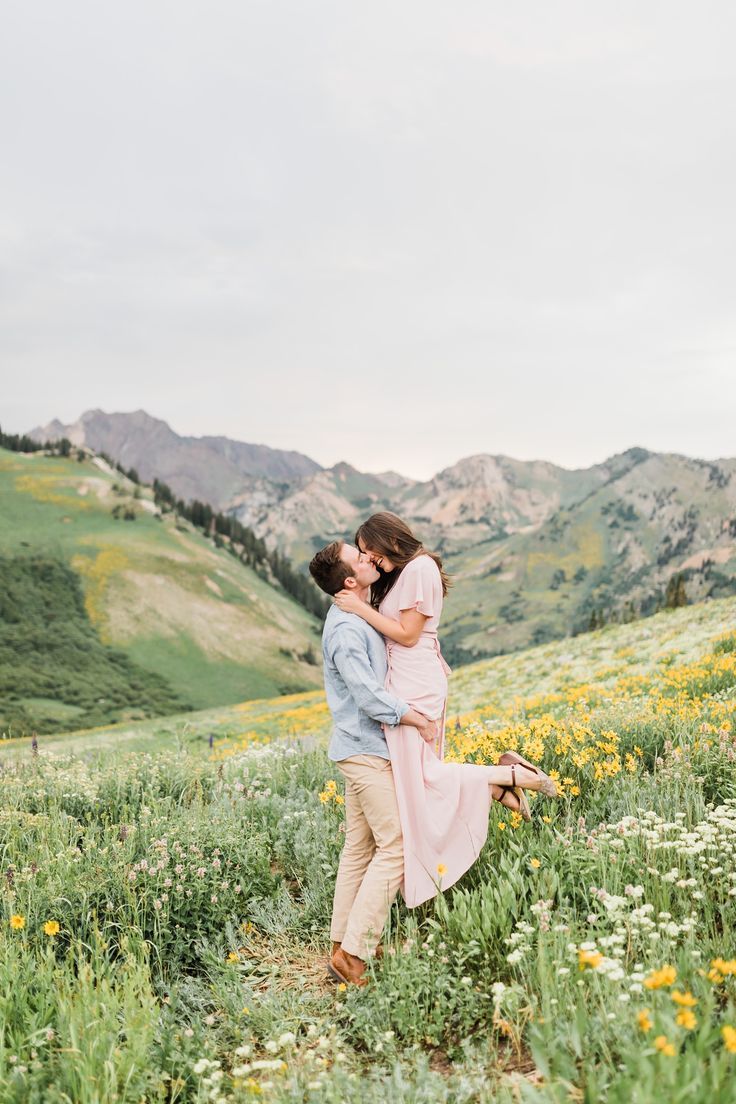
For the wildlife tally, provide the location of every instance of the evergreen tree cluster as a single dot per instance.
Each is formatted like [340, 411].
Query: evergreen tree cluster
[243, 542]
[129, 473]
[50, 653]
[227, 531]
[21, 442]
[675, 595]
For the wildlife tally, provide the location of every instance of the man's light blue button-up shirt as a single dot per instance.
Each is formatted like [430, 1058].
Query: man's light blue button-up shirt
[355, 670]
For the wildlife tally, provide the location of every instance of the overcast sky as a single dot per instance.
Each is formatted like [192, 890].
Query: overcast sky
[391, 233]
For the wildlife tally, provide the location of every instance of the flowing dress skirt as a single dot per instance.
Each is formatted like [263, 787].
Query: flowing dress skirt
[443, 806]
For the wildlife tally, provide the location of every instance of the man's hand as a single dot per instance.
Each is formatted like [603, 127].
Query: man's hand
[429, 731]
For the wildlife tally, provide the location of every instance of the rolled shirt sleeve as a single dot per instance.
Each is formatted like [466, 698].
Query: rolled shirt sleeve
[351, 659]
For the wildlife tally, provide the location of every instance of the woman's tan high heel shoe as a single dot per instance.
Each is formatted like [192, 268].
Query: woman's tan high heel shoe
[519, 795]
[512, 759]
[512, 798]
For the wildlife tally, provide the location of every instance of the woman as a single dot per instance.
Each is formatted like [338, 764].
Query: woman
[443, 806]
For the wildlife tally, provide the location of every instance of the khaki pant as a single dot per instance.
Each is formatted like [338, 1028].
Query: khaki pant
[372, 862]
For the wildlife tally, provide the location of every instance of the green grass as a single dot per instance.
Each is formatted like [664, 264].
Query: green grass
[154, 589]
[189, 669]
[526, 981]
[485, 995]
[52, 664]
[603, 656]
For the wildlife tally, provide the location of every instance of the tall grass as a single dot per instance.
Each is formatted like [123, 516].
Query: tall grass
[165, 919]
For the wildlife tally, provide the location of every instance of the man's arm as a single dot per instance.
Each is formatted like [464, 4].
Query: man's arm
[427, 729]
[350, 656]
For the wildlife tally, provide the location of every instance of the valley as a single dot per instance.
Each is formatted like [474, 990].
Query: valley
[537, 552]
[99, 581]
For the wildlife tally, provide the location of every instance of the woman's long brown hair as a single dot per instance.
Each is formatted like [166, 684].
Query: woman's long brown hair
[388, 535]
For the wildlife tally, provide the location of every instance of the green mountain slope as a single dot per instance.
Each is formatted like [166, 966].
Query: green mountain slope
[608, 556]
[54, 669]
[153, 587]
[517, 683]
[538, 552]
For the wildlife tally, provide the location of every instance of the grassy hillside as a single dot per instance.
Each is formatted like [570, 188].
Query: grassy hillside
[153, 588]
[538, 552]
[179, 896]
[609, 555]
[54, 669]
[596, 666]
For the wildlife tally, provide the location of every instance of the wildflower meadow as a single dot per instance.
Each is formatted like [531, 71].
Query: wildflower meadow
[166, 903]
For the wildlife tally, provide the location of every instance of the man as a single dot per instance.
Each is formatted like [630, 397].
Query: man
[372, 862]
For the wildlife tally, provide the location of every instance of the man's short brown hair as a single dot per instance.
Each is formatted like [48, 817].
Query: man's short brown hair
[328, 570]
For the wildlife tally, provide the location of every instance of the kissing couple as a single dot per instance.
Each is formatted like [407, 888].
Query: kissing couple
[412, 821]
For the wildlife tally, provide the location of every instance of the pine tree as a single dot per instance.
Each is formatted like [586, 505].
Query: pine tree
[676, 594]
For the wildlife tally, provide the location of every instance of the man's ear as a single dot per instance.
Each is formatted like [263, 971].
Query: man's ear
[350, 583]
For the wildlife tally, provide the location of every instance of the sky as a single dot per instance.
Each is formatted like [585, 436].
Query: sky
[392, 234]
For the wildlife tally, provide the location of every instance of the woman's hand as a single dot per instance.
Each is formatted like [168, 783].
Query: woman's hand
[349, 602]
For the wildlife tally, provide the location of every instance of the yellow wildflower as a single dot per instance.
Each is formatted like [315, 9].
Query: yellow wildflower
[535, 863]
[686, 1018]
[516, 820]
[17, 921]
[233, 957]
[441, 869]
[502, 825]
[547, 819]
[685, 1000]
[589, 958]
[729, 1038]
[51, 927]
[664, 1047]
[341, 987]
[644, 1020]
[245, 1012]
[659, 979]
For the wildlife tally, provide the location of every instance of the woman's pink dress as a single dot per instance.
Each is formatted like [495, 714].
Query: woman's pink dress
[443, 806]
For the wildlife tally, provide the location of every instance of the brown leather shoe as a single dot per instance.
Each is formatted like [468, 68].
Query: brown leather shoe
[378, 951]
[346, 968]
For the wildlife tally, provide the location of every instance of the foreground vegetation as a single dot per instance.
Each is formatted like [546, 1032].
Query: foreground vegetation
[166, 912]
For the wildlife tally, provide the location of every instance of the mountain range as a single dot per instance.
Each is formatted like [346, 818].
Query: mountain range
[537, 551]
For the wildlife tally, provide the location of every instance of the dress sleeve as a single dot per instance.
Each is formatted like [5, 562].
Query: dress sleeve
[421, 587]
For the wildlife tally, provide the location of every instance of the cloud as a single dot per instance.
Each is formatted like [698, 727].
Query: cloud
[394, 235]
